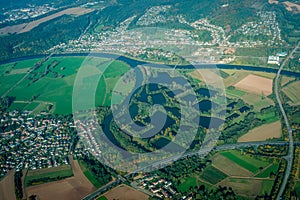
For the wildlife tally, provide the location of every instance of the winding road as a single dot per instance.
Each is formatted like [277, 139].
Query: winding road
[290, 154]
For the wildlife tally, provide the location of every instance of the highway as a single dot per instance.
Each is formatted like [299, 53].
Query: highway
[290, 154]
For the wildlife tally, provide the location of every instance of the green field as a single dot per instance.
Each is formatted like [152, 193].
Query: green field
[268, 117]
[266, 173]
[101, 198]
[56, 86]
[245, 161]
[266, 187]
[297, 189]
[39, 176]
[212, 175]
[235, 92]
[257, 101]
[17, 106]
[89, 174]
[187, 184]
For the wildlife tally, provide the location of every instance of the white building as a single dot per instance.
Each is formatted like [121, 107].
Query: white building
[274, 60]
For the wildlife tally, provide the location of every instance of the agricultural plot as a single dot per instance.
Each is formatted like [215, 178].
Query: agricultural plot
[262, 133]
[257, 101]
[245, 161]
[126, 193]
[187, 184]
[229, 167]
[297, 189]
[266, 173]
[7, 187]
[255, 84]
[39, 176]
[245, 187]
[53, 82]
[212, 175]
[233, 92]
[73, 188]
[292, 91]
[266, 187]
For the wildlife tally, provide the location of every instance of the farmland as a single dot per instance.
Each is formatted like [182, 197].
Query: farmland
[267, 171]
[126, 193]
[212, 175]
[52, 83]
[292, 91]
[189, 182]
[39, 176]
[245, 161]
[75, 187]
[262, 133]
[7, 187]
[229, 167]
[256, 84]
[246, 187]
[22, 28]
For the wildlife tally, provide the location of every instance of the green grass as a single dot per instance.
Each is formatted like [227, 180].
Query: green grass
[245, 161]
[40, 176]
[212, 175]
[235, 92]
[58, 91]
[17, 106]
[269, 117]
[89, 174]
[187, 184]
[297, 189]
[266, 187]
[31, 106]
[102, 198]
[266, 173]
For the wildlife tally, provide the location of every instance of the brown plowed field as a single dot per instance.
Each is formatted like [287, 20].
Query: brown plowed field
[7, 187]
[72, 188]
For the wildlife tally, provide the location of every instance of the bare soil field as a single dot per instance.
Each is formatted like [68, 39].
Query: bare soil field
[25, 27]
[124, 192]
[244, 187]
[262, 133]
[256, 84]
[7, 187]
[292, 7]
[72, 188]
[230, 168]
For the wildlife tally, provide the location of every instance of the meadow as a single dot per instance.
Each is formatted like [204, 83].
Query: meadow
[39, 176]
[245, 161]
[52, 83]
[212, 175]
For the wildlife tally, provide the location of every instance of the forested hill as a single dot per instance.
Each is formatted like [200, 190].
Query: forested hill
[228, 14]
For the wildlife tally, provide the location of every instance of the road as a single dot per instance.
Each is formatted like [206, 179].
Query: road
[174, 158]
[290, 154]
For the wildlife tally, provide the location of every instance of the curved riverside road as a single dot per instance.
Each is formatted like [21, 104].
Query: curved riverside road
[290, 154]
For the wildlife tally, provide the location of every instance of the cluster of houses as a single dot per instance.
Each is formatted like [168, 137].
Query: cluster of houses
[31, 11]
[34, 142]
[158, 186]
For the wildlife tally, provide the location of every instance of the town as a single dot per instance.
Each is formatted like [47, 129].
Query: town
[34, 142]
